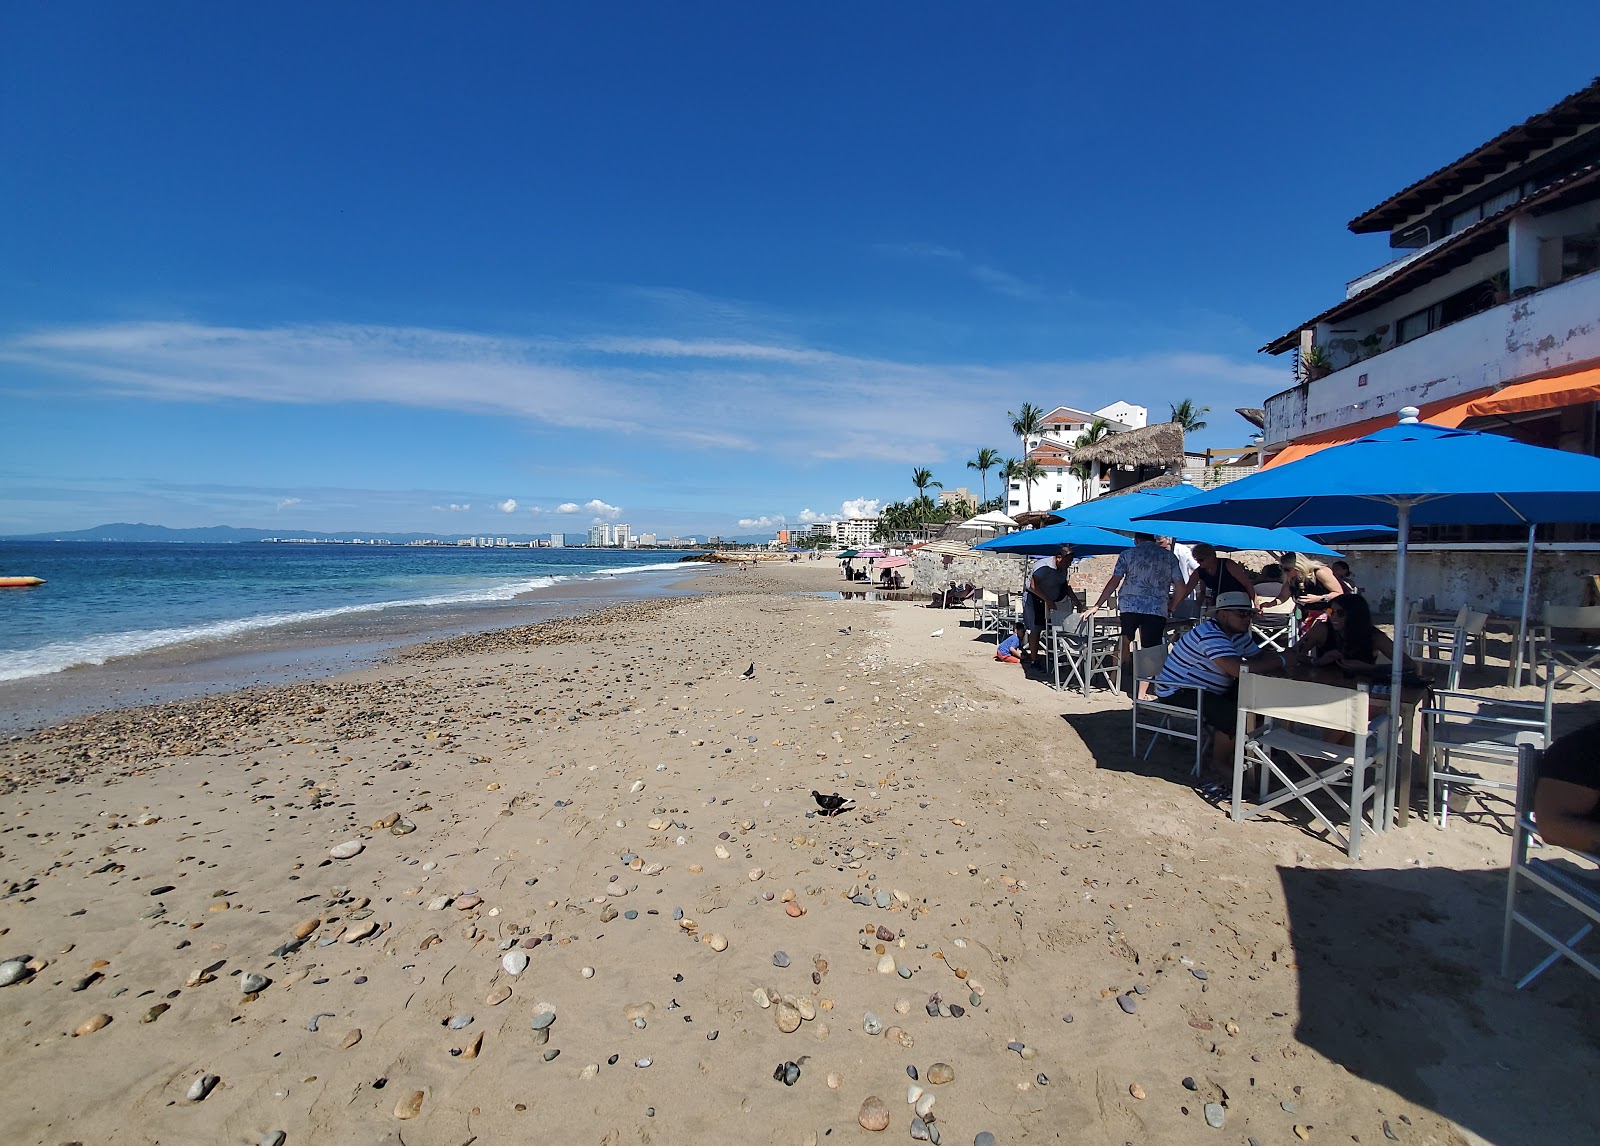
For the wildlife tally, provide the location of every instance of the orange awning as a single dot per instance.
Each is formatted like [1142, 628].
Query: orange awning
[1446, 412]
[1537, 394]
[1518, 398]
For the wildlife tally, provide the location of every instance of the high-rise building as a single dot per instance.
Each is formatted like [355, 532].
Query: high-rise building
[558, 541]
[621, 535]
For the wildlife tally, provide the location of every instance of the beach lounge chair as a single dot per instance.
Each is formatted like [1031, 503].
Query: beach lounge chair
[1573, 896]
[1294, 765]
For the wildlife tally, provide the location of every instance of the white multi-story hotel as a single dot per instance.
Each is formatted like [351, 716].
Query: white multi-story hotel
[1052, 448]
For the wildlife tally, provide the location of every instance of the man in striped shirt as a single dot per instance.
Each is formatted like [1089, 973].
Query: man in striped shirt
[1207, 658]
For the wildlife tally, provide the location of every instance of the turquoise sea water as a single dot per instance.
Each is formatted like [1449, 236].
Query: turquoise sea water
[105, 601]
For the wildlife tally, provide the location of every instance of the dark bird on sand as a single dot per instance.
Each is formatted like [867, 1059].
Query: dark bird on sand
[834, 805]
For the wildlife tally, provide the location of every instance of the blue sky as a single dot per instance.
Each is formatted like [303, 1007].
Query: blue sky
[518, 268]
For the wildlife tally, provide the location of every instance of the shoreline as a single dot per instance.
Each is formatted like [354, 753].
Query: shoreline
[298, 652]
[604, 795]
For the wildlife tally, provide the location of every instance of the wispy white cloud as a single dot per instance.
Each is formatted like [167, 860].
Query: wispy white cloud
[569, 507]
[287, 502]
[985, 274]
[535, 509]
[765, 521]
[452, 508]
[509, 505]
[699, 393]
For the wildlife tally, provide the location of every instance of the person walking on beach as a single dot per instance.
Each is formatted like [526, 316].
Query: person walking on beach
[1154, 582]
[1047, 587]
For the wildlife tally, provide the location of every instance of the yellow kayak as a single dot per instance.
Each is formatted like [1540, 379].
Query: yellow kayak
[20, 582]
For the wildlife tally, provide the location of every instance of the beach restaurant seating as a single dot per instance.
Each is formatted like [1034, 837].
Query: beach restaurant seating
[1164, 717]
[1445, 643]
[1274, 627]
[1087, 651]
[1566, 878]
[1292, 764]
[996, 614]
[1572, 657]
[1464, 726]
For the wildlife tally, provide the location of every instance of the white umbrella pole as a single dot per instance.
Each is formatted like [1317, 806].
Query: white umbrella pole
[1522, 627]
[1392, 779]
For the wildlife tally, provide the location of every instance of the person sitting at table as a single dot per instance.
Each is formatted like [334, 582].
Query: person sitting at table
[1345, 640]
[1208, 658]
[1217, 575]
[1566, 799]
[1341, 573]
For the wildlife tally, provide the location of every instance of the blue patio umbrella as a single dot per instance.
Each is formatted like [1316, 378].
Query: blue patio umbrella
[1411, 474]
[1085, 541]
[1123, 511]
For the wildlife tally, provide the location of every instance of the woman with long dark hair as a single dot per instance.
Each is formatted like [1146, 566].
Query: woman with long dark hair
[1345, 638]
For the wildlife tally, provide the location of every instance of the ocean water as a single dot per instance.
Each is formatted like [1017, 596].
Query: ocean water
[106, 601]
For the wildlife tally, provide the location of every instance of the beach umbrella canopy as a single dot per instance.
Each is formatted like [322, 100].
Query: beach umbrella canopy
[1123, 512]
[847, 554]
[893, 562]
[1085, 540]
[994, 519]
[871, 553]
[1411, 474]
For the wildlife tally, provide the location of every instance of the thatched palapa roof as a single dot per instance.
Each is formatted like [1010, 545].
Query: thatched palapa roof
[1254, 415]
[1158, 445]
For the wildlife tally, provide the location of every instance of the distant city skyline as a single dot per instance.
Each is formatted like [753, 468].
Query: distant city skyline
[502, 269]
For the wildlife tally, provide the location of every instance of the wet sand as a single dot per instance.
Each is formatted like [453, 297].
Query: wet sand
[616, 799]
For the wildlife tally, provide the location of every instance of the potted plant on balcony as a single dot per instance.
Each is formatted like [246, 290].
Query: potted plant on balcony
[1315, 363]
[1497, 288]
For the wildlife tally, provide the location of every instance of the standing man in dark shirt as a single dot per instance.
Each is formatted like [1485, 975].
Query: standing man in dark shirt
[1047, 587]
[1566, 802]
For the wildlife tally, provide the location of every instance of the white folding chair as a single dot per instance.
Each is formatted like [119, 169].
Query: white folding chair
[1165, 717]
[1572, 658]
[1429, 642]
[1556, 875]
[1276, 749]
[1465, 726]
[1088, 652]
[1274, 627]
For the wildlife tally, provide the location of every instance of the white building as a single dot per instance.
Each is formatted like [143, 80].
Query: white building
[558, 541]
[622, 535]
[1491, 311]
[600, 536]
[647, 539]
[1488, 318]
[1052, 449]
[854, 531]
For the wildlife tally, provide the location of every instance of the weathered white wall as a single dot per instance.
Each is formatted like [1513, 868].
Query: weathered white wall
[1544, 331]
[1483, 578]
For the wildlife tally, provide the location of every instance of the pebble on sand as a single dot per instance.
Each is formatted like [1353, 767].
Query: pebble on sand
[940, 1073]
[1136, 1090]
[717, 942]
[409, 1105]
[874, 1114]
[347, 850]
[202, 1086]
[515, 962]
[89, 1026]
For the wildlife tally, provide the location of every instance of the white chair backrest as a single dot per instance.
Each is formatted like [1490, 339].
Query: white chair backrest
[1572, 616]
[1268, 590]
[1471, 622]
[1305, 702]
[988, 596]
[1147, 663]
[1461, 616]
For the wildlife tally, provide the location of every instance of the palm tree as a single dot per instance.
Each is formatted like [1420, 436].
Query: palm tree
[986, 460]
[922, 479]
[1027, 473]
[1026, 424]
[1084, 471]
[1189, 417]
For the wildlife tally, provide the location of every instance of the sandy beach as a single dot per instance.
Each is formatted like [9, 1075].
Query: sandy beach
[354, 902]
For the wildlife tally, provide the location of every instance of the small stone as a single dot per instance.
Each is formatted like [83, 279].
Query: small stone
[718, 942]
[497, 996]
[1136, 1090]
[607, 913]
[351, 1038]
[1190, 1084]
[780, 959]
[471, 1050]
[983, 1138]
[1302, 1132]
[589, 1071]
[409, 1105]
[903, 972]
[874, 1114]
[756, 873]
[919, 1130]
[200, 1087]
[542, 1021]
[882, 897]
[1214, 1115]
[886, 965]
[253, 983]
[924, 1104]
[793, 910]
[834, 1080]
[89, 1026]
[361, 931]
[787, 1016]
[550, 1055]
[347, 850]
[273, 1138]
[460, 1022]
[1127, 1003]
[940, 1073]
[642, 1063]
[156, 1012]
[468, 902]
[791, 1073]
[305, 927]
[871, 1024]
[1199, 973]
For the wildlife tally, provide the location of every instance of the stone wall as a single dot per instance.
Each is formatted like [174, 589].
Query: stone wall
[1486, 579]
[1000, 572]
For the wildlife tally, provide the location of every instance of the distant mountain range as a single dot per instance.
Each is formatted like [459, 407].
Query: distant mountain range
[233, 535]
